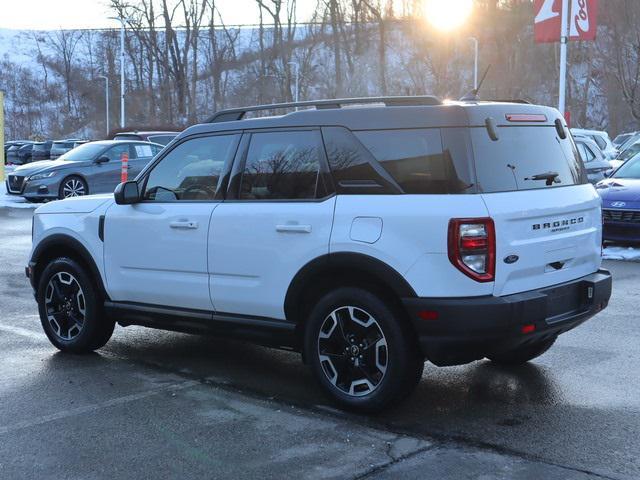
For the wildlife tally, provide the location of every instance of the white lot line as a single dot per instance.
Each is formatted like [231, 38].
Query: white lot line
[23, 332]
[72, 412]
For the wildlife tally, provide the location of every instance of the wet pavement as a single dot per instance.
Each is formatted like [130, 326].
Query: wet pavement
[155, 404]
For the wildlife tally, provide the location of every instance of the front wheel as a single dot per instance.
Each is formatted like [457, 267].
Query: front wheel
[70, 308]
[73, 187]
[361, 350]
[521, 355]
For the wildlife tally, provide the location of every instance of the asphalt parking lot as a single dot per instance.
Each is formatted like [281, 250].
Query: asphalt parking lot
[165, 405]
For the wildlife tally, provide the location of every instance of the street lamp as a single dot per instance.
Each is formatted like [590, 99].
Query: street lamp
[122, 27]
[475, 63]
[106, 101]
[296, 65]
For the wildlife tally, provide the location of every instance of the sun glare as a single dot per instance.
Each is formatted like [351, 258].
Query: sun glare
[447, 15]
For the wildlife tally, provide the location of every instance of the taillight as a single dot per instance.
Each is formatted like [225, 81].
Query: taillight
[472, 247]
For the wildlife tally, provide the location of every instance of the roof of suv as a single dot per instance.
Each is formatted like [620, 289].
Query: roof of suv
[355, 116]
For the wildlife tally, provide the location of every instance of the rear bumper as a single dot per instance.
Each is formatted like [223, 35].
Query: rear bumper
[468, 329]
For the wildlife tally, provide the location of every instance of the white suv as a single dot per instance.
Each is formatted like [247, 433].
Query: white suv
[368, 237]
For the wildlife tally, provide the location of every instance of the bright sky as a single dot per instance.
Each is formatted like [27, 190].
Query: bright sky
[54, 14]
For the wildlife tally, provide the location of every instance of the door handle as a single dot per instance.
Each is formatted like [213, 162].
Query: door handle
[184, 224]
[293, 228]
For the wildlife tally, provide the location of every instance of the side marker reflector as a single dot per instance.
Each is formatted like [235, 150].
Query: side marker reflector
[528, 328]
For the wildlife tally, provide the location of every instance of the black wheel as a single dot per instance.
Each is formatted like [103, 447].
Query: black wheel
[522, 355]
[361, 350]
[73, 187]
[70, 308]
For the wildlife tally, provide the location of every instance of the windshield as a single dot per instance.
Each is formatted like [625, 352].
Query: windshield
[88, 151]
[525, 158]
[620, 139]
[630, 169]
[629, 152]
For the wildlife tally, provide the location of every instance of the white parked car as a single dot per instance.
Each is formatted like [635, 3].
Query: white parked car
[369, 239]
[602, 140]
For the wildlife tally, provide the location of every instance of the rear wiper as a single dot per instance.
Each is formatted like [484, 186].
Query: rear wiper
[550, 177]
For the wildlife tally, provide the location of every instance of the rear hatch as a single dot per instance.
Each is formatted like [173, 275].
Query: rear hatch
[547, 217]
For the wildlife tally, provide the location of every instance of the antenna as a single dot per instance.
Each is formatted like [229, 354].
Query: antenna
[472, 96]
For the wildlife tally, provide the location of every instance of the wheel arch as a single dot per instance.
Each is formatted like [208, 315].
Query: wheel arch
[61, 245]
[351, 269]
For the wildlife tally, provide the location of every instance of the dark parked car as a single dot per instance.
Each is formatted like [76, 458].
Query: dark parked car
[60, 147]
[11, 153]
[24, 154]
[41, 150]
[163, 138]
[621, 203]
[91, 168]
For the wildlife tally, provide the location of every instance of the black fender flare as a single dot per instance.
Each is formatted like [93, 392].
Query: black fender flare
[60, 241]
[381, 272]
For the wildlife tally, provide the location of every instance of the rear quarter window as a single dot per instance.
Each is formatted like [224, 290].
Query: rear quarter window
[415, 159]
[392, 161]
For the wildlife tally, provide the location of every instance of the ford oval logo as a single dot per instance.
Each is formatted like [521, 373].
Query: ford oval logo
[618, 204]
[511, 259]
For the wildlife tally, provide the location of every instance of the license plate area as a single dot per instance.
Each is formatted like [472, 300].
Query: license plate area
[567, 300]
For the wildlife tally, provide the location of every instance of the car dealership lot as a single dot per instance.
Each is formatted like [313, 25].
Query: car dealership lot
[160, 404]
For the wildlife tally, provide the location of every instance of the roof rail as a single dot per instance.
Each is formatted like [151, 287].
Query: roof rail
[512, 100]
[233, 114]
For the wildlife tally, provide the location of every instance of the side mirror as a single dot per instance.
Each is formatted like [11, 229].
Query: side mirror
[608, 173]
[102, 159]
[127, 193]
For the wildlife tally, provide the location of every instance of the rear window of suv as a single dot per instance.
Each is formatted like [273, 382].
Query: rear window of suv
[525, 158]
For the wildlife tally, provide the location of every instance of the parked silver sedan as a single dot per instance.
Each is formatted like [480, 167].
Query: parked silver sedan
[93, 167]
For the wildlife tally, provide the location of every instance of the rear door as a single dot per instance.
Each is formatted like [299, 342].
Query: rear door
[547, 217]
[276, 218]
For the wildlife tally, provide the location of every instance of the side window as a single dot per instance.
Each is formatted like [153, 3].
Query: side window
[415, 159]
[590, 155]
[600, 141]
[585, 153]
[115, 153]
[353, 168]
[281, 166]
[143, 150]
[192, 170]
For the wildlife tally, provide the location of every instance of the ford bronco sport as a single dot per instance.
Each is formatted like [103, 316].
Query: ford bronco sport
[368, 234]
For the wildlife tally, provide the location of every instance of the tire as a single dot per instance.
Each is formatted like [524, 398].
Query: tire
[70, 308]
[73, 186]
[522, 355]
[361, 350]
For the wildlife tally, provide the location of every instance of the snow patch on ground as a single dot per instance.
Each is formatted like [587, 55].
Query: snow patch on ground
[618, 252]
[13, 201]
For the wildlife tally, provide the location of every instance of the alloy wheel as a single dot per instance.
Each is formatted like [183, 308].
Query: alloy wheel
[73, 188]
[65, 305]
[352, 350]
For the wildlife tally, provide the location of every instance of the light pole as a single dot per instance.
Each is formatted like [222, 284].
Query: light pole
[122, 26]
[296, 65]
[564, 39]
[475, 63]
[106, 101]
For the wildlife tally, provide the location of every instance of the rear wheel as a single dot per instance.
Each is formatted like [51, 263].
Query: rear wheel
[361, 350]
[70, 308]
[73, 187]
[521, 355]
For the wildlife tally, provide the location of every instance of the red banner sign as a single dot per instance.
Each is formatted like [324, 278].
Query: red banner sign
[583, 20]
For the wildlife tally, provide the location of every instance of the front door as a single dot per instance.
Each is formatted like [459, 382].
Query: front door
[277, 218]
[156, 250]
[106, 175]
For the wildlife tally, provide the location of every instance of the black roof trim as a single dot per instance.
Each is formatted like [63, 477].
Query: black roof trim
[234, 114]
